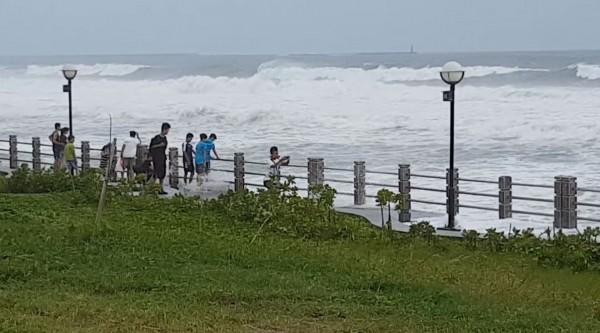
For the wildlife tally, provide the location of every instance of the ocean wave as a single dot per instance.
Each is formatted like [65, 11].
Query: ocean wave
[586, 71]
[380, 74]
[87, 70]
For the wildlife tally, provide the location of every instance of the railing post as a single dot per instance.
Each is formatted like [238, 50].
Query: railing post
[174, 167]
[316, 172]
[36, 155]
[505, 197]
[85, 156]
[565, 202]
[404, 190]
[456, 191]
[360, 196]
[140, 154]
[239, 183]
[13, 158]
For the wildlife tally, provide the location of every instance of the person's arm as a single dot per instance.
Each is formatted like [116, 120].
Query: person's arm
[122, 150]
[284, 161]
[215, 152]
[55, 140]
[137, 135]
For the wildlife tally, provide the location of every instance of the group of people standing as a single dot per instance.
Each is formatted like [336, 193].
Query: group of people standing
[63, 149]
[196, 158]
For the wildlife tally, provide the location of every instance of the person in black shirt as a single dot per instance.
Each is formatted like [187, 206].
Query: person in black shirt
[188, 158]
[158, 148]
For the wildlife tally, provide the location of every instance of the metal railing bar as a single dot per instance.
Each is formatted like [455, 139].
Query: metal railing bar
[221, 170]
[584, 189]
[469, 180]
[338, 169]
[475, 194]
[382, 173]
[428, 202]
[340, 181]
[585, 204]
[426, 176]
[418, 188]
[345, 193]
[533, 199]
[532, 185]
[588, 219]
[377, 184]
[524, 212]
[2, 149]
[479, 208]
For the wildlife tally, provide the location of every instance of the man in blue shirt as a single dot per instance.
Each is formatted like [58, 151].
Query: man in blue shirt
[202, 156]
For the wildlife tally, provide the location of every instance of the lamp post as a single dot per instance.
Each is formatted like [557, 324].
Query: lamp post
[452, 73]
[69, 72]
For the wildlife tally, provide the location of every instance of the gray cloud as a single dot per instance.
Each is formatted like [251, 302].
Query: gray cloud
[40, 27]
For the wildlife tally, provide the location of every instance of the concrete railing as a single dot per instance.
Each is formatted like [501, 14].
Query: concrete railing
[565, 214]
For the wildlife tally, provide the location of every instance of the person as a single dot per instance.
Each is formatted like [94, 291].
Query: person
[188, 158]
[158, 147]
[105, 156]
[62, 140]
[128, 153]
[211, 146]
[145, 168]
[202, 153]
[274, 164]
[57, 147]
[70, 156]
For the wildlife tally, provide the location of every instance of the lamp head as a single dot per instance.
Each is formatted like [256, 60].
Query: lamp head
[452, 73]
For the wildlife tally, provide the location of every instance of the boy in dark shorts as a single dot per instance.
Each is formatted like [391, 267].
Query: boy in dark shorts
[158, 149]
[188, 158]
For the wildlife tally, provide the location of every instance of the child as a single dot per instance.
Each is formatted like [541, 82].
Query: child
[145, 168]
[211, 148]
[188, 158]
[70, 156]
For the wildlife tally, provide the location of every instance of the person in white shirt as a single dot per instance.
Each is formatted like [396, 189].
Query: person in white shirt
[274, 164]
[129, 152]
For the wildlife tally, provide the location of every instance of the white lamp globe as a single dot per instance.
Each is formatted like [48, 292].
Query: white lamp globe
[452, 73]
[69, 71]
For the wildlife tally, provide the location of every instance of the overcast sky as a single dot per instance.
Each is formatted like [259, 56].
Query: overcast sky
[39, 27]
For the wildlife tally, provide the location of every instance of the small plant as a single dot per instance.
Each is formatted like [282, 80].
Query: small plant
[385, 198]
[471, 238]
[423, 230]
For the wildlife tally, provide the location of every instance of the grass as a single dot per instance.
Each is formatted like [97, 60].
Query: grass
[159, 269]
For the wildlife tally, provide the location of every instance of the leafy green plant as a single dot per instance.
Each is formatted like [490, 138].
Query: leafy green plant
[385, 198]
[471, 238]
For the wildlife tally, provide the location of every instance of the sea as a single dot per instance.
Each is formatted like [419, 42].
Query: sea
[529, 115]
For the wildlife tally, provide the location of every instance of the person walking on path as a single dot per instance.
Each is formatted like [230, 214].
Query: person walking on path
[128, 153]
[158, 148]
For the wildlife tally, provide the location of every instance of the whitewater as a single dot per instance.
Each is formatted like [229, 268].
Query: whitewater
[529, 116]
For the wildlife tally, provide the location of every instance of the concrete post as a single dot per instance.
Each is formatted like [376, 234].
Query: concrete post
[316, 172]
[140, 154]
[174, 167]
[404, 190]
[505, 197]
[565, 202]
[360, 195]
[456, 192]
[85, 156]
[36, 155]
[239, 172]
[13, 158]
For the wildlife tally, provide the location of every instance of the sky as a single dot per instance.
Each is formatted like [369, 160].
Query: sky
[70, 27]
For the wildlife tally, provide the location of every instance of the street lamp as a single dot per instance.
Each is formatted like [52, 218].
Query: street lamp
[452, 73]
[69, 72]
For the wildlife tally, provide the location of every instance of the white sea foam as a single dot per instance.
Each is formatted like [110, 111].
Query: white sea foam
[585, 71]
[97, 69]
[532, 134]
[291, 72]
